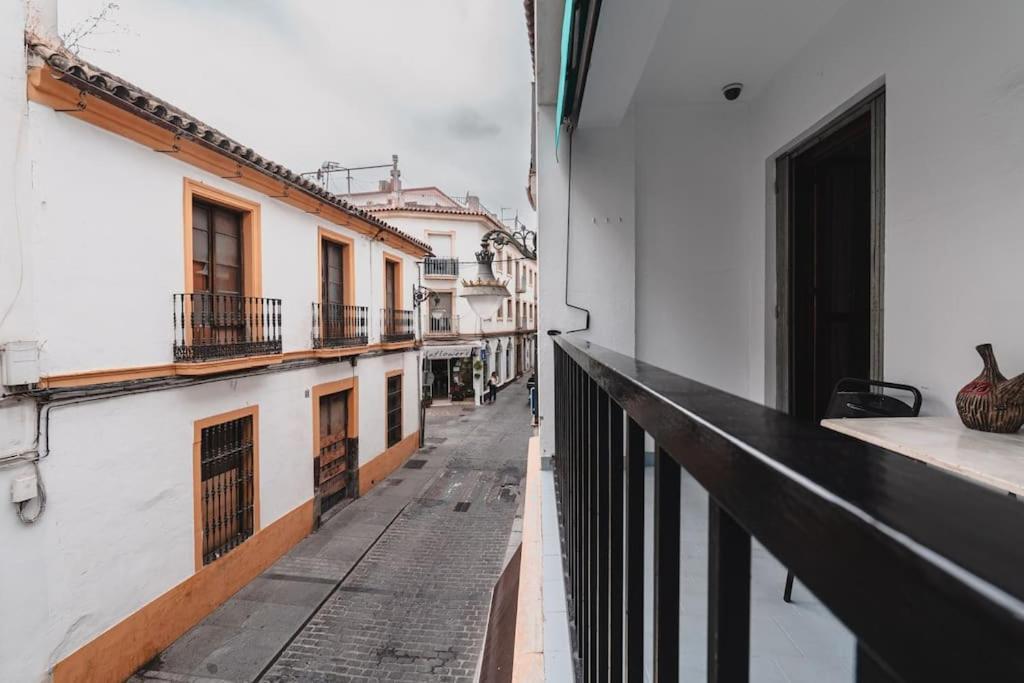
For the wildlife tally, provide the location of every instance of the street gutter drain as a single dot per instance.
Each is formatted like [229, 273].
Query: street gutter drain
[415, 464]
[461, 507]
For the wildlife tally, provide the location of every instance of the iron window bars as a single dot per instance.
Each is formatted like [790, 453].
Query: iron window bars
[226, 460]
[394, 406]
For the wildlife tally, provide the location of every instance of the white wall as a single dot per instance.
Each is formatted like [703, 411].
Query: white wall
[110, 235]
[16, 213]
[602, 249]
[954, 166]
[693, 292]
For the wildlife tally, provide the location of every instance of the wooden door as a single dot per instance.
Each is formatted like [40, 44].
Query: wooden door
[332, 468]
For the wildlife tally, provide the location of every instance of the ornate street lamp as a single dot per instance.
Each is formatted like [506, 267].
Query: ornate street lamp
[486, 292]
[421, 294]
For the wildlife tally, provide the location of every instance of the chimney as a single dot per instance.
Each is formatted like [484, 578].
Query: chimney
[384, 186]
[472, 202]
[396, 182]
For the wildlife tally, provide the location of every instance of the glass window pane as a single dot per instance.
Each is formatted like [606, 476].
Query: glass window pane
[227, 280]
[226, 222]
[200, 245]
[200, 216]
[227, 250]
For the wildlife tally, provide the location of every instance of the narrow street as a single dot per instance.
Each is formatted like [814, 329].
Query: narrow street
[397, 586]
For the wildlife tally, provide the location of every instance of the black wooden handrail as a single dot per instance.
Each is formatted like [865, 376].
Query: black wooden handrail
[924, 568]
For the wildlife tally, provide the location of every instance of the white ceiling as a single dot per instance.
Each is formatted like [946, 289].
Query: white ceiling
[705, 44]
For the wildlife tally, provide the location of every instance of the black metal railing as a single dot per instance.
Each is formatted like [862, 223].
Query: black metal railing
[441, 267]
[442, 323]
[396, 325]
[337, 325]
[216, 326]
[924, 568]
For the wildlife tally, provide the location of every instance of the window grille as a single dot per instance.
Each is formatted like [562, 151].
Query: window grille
[394, 410]
[226, 459]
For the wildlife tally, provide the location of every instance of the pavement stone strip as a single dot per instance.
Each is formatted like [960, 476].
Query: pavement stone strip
[396, 586]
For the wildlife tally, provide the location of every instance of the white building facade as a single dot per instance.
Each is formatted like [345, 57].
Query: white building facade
[203, 354]
[461, 349]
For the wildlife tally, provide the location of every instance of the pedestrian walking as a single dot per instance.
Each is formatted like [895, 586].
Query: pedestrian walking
[492, 388]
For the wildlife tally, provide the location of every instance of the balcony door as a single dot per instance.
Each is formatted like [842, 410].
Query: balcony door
[332, 289]
[391, 285]
[441, 313]
[831, 260]
[217, 274]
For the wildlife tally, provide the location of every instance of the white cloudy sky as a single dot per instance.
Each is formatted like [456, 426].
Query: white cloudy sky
[445, 84]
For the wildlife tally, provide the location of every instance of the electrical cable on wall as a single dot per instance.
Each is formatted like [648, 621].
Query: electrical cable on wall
[39, 501]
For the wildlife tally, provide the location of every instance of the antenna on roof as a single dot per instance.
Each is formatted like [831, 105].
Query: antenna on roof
[323, 174]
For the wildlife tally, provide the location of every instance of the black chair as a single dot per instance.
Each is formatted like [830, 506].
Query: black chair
[849, 402]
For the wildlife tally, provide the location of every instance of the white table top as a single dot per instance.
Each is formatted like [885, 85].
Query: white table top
[996, 460]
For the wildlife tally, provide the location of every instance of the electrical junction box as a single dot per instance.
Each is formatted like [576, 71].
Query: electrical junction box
[24, 487]
[19, 363]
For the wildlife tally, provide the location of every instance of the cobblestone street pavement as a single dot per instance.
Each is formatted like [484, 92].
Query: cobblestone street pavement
[415, 607]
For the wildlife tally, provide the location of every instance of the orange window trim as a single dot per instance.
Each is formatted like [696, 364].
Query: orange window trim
[197, 472]
[348, 261]
[399, 286]
[252, 263]
[328, 388]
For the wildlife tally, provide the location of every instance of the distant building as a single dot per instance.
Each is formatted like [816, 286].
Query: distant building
[459, 348]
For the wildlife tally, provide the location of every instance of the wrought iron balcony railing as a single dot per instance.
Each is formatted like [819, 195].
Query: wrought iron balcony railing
[922, 567]
[336, 325]
[219, 326]
[442, 323]
[441, 267]
[396, 325]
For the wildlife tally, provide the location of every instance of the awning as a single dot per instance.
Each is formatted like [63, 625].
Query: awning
[449, 351]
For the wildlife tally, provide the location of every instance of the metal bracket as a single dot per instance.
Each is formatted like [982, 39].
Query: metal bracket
[78, 107]
[238, 173]
[284, 193]
[319, 208]
[174, 146]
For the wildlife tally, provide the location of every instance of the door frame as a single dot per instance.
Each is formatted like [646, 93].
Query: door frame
[873, 102]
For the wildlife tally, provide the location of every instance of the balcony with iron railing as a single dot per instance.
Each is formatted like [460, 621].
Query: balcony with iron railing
[441, 323]
[339, 325]
[435, 267]
[397, 325]
[209, 327]
[674, 557]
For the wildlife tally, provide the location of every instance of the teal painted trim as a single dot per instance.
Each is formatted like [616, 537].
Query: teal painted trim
[560, 105]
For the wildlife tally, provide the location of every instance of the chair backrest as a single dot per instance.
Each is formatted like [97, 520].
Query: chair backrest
[846, 401]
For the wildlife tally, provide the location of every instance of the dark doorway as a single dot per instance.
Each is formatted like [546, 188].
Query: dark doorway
[441, 371]
[831, 219]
